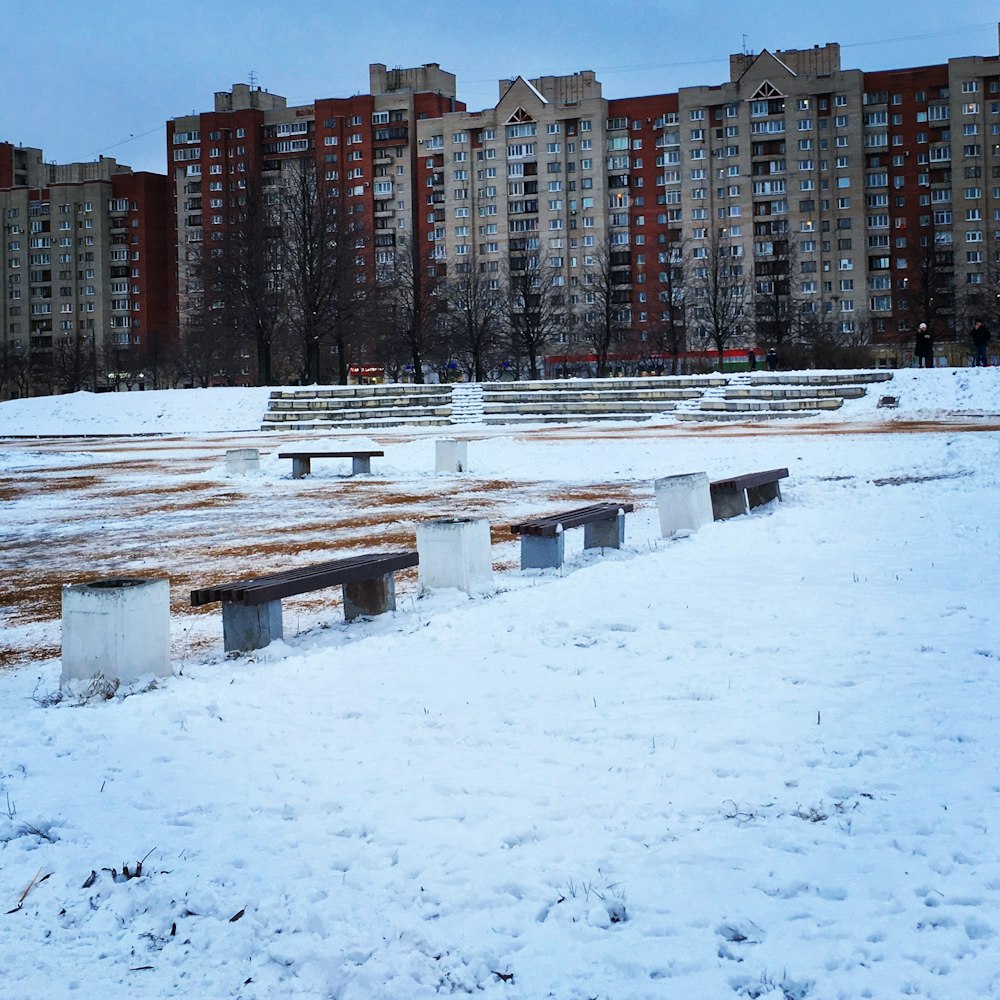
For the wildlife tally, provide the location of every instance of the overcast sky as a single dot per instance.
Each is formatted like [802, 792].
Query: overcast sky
[84, 79]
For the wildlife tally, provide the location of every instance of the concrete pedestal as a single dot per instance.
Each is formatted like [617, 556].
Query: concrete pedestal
[684, 503]
[369, 597]
[451, 455]
[455, 552]
[250, 626]
[119, 629]
[240, 461]
[605, 534]
[543, 551]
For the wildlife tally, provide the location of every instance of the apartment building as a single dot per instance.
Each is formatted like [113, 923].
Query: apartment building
[524, 187]
[363, 147]
[84, 261]
[862, 203]
[851, 190]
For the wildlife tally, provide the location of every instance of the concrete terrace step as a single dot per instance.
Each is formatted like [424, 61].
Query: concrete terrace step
[819, 378]
[360, 391]
[743, 416]
[795, 392]
[296, 423]
[548, 417]
[751, 405]
[364, 413]
[597, 384]
[514, 397]
[610, 405]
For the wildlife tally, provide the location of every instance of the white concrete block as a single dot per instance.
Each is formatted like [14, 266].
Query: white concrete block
[240, 461]
[451, 455]
[119, 629]
[455, 552]
[684, 503]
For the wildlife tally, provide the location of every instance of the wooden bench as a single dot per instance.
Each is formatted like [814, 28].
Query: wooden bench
[251, 608]
[739, 495]
[542, 542]
[301, 460]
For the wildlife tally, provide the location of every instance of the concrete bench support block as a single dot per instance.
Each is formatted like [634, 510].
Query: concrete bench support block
[250, 626]
[684, 503]
[455, 552]
[728, 503]
[119, 629]
[369, 597]
[451, 455]
[542, 552]
[605, 534]
[765, 493]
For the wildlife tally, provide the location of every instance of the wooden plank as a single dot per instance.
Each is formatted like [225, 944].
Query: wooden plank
[749, 480]
[552, 524]
[331, 454]
[260, 590]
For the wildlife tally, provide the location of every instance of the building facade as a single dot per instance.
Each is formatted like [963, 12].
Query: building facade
[845, 204]
[84, 261]
[363, 148]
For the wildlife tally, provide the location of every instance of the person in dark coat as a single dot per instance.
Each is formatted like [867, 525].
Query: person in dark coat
[923, 350]
[772, 360]
[752, 360]
[980, 338]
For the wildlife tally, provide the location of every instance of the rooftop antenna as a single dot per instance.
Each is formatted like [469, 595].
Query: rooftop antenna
[253, 77]
[745, 51]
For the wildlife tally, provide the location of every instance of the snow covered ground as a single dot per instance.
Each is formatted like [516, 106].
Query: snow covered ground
[760, 761]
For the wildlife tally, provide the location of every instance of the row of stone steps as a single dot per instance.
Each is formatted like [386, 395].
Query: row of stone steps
[359, 407]
[757, 396]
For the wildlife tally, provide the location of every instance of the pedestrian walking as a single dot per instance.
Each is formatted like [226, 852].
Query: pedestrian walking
[923, 350]
[980, 338]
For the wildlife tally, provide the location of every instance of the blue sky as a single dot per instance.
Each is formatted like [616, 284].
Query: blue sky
[81, 80]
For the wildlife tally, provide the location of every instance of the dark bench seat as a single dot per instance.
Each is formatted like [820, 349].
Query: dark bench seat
[740, 494]
[251, 608]
[301, 460]
[542, 543]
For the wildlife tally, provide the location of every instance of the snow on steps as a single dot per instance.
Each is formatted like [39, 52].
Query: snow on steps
[744, 396]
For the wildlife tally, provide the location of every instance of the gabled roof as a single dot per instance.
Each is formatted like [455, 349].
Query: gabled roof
[523, 89]
[766, 65]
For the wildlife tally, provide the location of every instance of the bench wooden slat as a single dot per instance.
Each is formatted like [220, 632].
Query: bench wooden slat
[749, 480]
[571, 519]
[234, 590]
[261, 590]
[331, 454]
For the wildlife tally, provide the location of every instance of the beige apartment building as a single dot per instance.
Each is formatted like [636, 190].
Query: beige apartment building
[84, 262]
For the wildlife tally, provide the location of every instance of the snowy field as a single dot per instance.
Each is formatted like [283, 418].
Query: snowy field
[759, 761]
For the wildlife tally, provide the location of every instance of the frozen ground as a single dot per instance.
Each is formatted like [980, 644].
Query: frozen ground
[760, 761]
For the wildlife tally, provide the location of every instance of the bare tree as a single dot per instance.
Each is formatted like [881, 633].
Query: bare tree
[475, 317]
[324, 273]
[607, 319]
[73, 361]
[719, 290]
[929, 291]
[775, 290]
[242, 276]
[671, 292]
[535, 309]
[410, 308]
